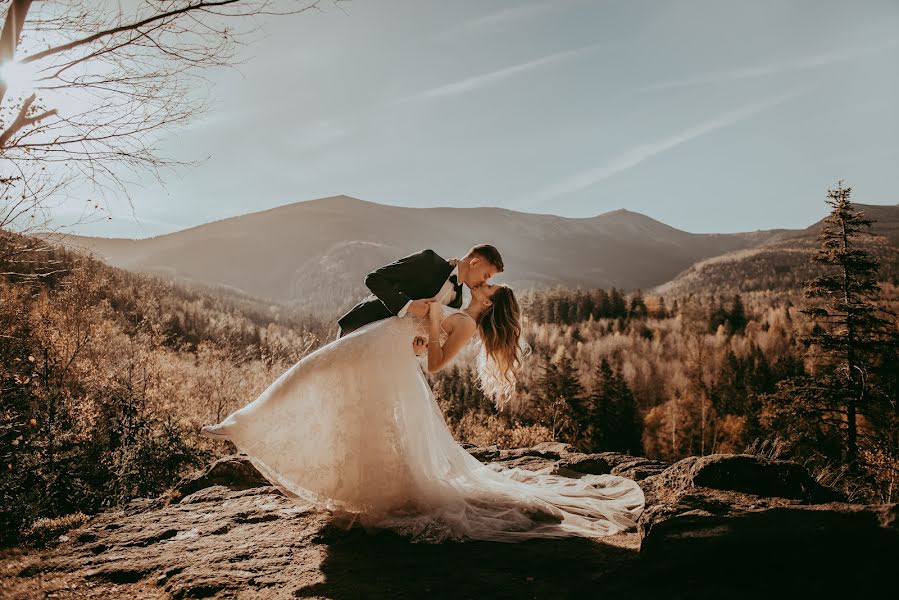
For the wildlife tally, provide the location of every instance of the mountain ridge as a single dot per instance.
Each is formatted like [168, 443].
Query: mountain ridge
[315, 254]
[344, 197]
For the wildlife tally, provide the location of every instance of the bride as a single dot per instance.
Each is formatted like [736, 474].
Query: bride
[354, 428]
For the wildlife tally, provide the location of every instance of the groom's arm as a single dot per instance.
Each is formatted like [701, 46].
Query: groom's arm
[405, 309]
[387, 282]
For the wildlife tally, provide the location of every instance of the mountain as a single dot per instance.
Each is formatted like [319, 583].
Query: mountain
[315, 254]
[786, 264]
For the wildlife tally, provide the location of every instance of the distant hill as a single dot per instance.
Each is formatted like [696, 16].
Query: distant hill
[785, 264]
[315, 254]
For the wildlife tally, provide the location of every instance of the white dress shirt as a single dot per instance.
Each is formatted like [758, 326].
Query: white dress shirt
[444, 296]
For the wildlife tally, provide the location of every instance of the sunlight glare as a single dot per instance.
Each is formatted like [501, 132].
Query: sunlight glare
[19, 77]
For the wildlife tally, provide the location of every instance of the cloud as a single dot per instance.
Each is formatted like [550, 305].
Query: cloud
[502, 17]
[636, 155]
[478, 81]
[317, 135]
[805, 62]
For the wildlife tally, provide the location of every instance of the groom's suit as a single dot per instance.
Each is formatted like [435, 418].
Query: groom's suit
[420, 275]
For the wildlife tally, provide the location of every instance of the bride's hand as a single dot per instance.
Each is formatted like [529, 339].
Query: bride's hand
[434, 310]
[419, 344]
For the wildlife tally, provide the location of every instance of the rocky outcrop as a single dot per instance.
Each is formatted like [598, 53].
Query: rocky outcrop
[719, 525]
[233, 472]
[766, 525]
[560, 458]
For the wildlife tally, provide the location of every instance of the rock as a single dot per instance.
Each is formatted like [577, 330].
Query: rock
[234, 472]
[614, 463]
[639, 469]
[563, 459]
[541, 457]
[556, 449]
[709, 530]
[743, 473]
[740, 516]
[742, 536]
[253, 544]
[483, 454]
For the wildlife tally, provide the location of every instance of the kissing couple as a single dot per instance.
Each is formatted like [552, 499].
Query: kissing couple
[354, 428]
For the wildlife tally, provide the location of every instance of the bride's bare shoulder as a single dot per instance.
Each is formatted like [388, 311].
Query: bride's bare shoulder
[460, 320]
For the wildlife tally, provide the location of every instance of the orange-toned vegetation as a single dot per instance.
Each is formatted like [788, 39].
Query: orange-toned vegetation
[106, 376]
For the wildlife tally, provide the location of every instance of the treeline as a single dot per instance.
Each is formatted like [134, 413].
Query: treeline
[664, 388]
[707, 380]
[566, 306]
[563, 306]
[106, 376]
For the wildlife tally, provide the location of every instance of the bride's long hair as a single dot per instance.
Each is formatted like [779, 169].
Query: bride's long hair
[502, 351]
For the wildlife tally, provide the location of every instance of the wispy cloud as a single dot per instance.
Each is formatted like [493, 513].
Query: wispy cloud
[795, 64]
[636, 155]
[501, 18]
[484, 79]
[317, 135]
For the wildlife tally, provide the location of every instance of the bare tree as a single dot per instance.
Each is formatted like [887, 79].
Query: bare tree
[103, 84]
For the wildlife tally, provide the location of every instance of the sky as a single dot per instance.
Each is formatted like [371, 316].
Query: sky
[708, 115]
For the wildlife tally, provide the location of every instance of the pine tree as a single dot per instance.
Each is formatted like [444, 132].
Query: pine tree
[617, 305]
[637, 308]
[737, 315]
[662, 311]
[613, 424]
[718, 317]
[601, 305]
[564, 409]
[847, 329]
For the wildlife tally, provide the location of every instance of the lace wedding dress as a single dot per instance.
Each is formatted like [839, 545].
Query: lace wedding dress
[354, 428]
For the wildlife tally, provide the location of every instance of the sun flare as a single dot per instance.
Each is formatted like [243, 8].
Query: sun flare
[19, 77]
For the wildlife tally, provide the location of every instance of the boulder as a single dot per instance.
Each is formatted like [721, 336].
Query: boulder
[744, 517]
[235, 472]
[614, 463]
[742, 473]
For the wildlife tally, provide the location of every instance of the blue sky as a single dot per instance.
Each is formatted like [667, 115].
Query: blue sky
[711, 116]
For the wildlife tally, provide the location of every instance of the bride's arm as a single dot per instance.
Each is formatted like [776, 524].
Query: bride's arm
[439, 356]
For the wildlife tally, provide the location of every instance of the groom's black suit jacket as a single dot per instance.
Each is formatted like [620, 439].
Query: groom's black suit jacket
[419, 275]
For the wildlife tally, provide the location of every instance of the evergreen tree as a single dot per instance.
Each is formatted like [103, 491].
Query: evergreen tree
[662, 311]
[637, 308]
[581, 306]
[564, 409]
[737, 315]
[613, 423]
[847, 329]
[601, 305]
[617, 305]
[717, 317]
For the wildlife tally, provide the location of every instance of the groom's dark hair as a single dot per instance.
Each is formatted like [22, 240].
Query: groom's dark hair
[490, 254]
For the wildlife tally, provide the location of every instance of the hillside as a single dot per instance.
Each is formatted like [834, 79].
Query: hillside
[786, 264]
[315, 254]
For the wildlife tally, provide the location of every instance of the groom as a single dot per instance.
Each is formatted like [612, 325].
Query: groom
[411, 283]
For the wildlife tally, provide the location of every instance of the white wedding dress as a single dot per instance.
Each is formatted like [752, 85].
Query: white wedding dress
[354, 428]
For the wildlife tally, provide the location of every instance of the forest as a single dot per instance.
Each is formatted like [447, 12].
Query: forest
[106, 377]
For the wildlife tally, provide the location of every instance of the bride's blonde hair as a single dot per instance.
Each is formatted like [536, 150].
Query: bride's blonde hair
[501, 354]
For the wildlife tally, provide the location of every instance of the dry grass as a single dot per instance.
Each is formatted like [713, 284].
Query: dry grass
[43, 530]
